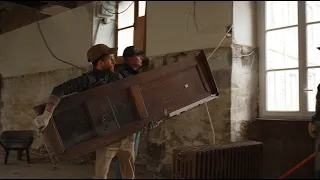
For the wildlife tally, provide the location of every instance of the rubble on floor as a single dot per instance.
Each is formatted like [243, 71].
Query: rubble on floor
[41, 168]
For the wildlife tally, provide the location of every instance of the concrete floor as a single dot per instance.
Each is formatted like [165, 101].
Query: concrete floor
[41, 168]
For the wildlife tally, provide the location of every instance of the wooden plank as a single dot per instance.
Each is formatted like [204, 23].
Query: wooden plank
[205, 69]
[139, 33]
[203, 78]
[138, 99]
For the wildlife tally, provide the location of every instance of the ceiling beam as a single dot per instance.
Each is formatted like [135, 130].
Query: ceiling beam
[39, 5]
[31, 4]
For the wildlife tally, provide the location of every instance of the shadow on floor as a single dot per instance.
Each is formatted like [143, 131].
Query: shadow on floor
[41, 168]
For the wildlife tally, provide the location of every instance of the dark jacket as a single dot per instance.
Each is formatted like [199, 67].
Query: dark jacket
[316, 116]
[128, 71]
[84, 82]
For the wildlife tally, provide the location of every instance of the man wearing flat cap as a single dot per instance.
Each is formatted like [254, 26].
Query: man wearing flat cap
[101, 57]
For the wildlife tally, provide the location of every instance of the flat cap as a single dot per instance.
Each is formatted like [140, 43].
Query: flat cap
[99, 50]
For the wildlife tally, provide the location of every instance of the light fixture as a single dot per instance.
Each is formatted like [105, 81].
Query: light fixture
[229, 31]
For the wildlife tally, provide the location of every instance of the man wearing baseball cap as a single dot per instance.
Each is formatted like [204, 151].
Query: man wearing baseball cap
[133, 58]
[101, 57]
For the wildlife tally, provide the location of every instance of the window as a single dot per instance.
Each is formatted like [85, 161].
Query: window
[130, 25]
[290, 65]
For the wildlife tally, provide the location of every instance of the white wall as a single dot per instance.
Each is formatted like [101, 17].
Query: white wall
[167, 25]
[105, 34]
[69, 35]
[244, 22]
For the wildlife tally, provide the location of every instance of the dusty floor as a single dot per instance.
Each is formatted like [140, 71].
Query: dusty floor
[41, 168]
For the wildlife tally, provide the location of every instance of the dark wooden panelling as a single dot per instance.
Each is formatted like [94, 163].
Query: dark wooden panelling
[285, 143]
[139, 33]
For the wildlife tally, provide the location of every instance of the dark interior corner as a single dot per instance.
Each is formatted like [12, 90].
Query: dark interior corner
[285, 144]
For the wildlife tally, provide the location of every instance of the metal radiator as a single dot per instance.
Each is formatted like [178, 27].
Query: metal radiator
[225, 161]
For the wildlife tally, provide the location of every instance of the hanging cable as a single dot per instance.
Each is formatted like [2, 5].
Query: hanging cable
[220, 42]
[195, 19]
[211, 124]
[45, 42]
[194, 16]
[246, 55]
[116, 8]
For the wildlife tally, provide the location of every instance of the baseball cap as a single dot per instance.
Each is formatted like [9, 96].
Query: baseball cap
[131, 51]
[99, 50]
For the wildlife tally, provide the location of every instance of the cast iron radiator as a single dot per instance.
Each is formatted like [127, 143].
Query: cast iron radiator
[222, 161]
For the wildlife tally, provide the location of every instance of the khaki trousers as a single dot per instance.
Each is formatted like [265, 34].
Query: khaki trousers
[124, 150]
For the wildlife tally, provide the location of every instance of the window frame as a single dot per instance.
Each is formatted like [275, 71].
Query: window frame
[136, 15]
[303, 112]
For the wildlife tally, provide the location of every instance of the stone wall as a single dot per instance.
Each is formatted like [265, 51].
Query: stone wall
[236, 73]
[244, 90]
[1, 103]
[192, 127]
[22, 93]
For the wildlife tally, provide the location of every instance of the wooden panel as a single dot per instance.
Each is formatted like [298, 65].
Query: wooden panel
[285, 144]
[119, 61]
[101, 113]
[138, 100]
[114, 111]
[80, 123]
[52, 139]
[140, 33]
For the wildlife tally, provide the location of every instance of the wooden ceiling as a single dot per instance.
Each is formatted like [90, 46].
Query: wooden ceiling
[39, 5]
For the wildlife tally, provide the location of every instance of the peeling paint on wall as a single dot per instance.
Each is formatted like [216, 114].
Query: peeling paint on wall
[244, 90]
